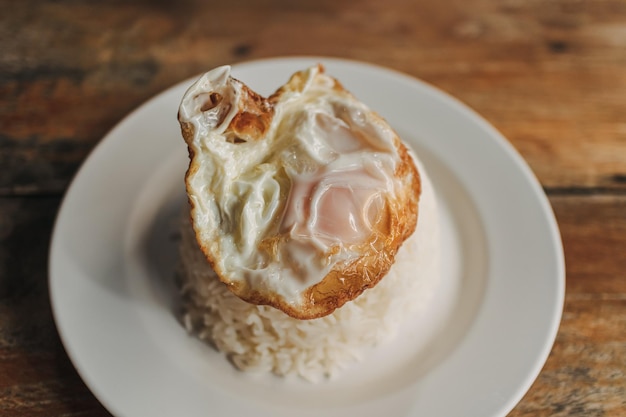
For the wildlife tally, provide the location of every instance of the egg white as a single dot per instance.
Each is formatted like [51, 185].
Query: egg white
[279, 211]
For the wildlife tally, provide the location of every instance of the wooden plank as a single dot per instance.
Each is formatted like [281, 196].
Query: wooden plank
[36, 377]
[549, 75]
[584, 375]
[593, 230]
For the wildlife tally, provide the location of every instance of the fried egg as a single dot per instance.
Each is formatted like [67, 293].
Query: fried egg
[300, 200]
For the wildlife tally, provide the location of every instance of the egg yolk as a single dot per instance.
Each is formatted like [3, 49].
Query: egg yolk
[333, 207]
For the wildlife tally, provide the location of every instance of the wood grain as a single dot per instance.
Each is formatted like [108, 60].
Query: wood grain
[36, 376]
[585, 374]
[549, 74]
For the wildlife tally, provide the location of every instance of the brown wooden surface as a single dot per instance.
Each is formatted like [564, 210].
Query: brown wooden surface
[549, 74]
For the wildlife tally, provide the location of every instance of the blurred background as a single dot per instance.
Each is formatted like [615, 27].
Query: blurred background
[549, 74]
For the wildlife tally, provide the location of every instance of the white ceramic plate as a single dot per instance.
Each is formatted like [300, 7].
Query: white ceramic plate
[475, 351]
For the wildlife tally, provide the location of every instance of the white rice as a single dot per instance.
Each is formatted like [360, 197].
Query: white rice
[264, 339]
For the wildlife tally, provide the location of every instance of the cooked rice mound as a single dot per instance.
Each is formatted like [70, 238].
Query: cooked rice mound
[264, 339]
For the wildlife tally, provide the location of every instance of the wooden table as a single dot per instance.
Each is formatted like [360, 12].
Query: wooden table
[549, 74]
